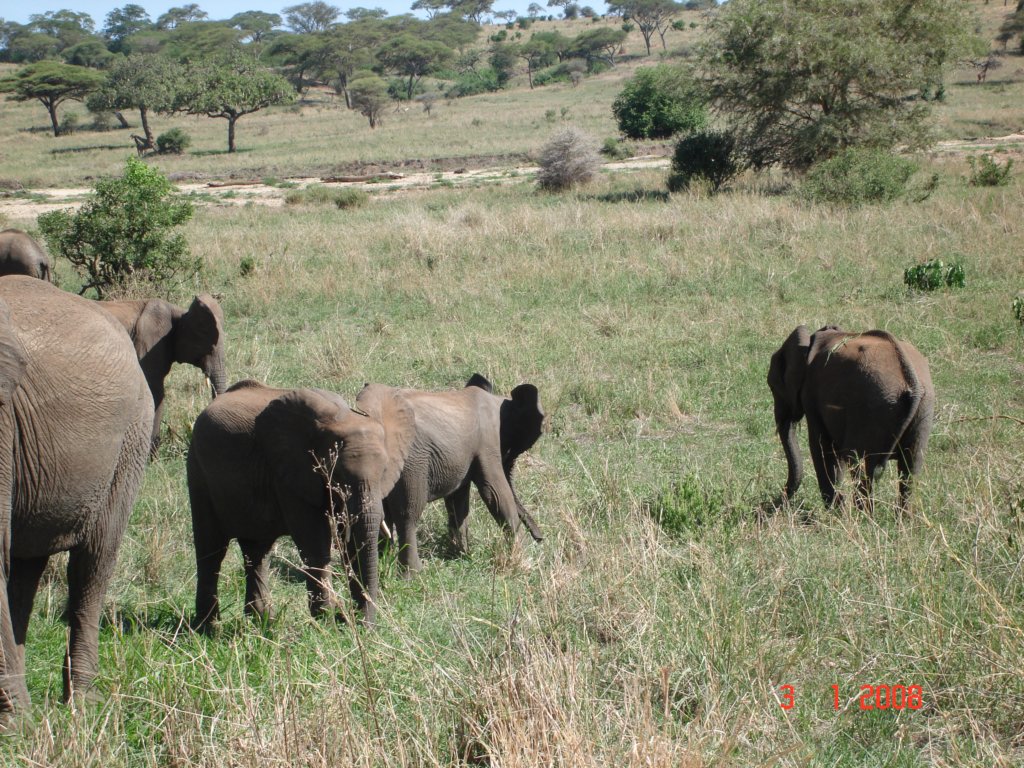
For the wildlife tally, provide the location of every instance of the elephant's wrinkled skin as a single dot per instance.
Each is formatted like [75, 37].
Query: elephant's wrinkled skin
[74, 435]
[463, 437]
[164, 334]
[868, 397]
[251, 477]
[22, 255]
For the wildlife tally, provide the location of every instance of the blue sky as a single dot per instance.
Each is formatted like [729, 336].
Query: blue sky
[224, 9]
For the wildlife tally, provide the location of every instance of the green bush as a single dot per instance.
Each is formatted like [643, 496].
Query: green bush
[558, 73]
[658, 102]
[318, 194]
[614, 149]
[857, 176]
[472, 83]
[123, 232]
[933, 274]
[1018, 309]
[986, 172]
[687, 506]
[69, 124]
[708, 156]
[173, 142]
[350, 198]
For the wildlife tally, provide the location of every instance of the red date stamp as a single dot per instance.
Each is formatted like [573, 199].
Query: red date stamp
[896, 697]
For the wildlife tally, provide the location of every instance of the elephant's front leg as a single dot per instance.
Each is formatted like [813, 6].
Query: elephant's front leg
[457, 505]
[15, 609]
[497, 494]
[90, 567]
[826, 463]
[313, 539]
[254, 554]
[405, 505]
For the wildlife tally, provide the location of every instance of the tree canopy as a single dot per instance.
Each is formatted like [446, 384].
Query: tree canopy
[51, 83]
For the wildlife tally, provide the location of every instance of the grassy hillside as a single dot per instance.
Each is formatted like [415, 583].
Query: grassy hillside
[670, 600]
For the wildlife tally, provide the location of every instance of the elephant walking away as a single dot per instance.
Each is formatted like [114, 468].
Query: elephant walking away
[20, 254]
[75, 419]
[868, 398]
[463, 437]
[164, 334]
[252, 477]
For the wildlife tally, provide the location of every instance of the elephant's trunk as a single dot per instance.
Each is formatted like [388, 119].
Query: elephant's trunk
[217, 374]
[794, 462]
[363, 550]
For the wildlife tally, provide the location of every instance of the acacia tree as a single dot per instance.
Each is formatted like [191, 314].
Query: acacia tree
[230, 90]
[797, 86]
[413, 57]
[650, 16]
[304, 18]
[146, 82]
[124, 22]
[51, 83]
[369, 96]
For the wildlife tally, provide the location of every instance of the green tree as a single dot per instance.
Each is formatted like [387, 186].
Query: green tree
[369, 94]
[185, 14]
[255, 24]
[413, 57]
[597, 45]
[51, 83]
[658, 102]
[148, 83]
[123, 232]
[230, 90]
[305, 18]
[90, 52]
[537, 53]
[797, 86]
[650, 16]
[122, 23]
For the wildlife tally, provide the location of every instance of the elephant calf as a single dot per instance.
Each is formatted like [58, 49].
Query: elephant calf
[868, 397]
[252, 477]
[20, 254]
[164, 334]
[462, 437]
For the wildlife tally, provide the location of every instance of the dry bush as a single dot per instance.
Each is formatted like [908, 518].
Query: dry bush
[569, 158]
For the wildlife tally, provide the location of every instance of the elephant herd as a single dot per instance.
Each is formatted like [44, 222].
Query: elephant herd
[81, 395]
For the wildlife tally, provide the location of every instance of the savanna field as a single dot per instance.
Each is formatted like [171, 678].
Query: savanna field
[672, 597]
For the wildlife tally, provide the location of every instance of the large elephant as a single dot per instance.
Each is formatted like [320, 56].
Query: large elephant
[74, 432]
[868, 397]
[164, 334]
[463, 437]
[251, 477]
[21, 255]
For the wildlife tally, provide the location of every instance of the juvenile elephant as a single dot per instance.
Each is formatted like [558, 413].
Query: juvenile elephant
[251, 477]
[868, 398]
[164, 334]
[75, 415]
[22, 255]
[462, 437]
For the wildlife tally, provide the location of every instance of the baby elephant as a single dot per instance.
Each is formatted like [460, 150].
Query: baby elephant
[462, 437]
[868, 398]
[21, 255]
[252, 476]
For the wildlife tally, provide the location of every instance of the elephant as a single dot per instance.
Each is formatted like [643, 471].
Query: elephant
[20, 254]
[164, 334]
[868, 397]
[75, 415]
[252, 477]
[462, 437]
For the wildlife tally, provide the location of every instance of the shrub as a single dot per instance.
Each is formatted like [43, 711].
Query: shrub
[614, 149]
[484, 80]
[69, 124]
[933, 274]
[350, 198]
[658, 102]
[173, 142]
[558, 73]
[986, 172]
[1017, 305]
[857, 176]
[569, 158]
[687, 506]
[318, 194]
[707, 156]
[123, 232]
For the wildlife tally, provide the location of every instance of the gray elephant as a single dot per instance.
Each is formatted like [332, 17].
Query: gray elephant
[251, 477]
[164, 334]
[20, 254]
[463, 437]
[75, 418]
[868, 398]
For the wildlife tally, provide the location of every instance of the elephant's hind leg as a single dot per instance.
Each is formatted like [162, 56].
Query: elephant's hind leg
[254, 554]
[457, 505]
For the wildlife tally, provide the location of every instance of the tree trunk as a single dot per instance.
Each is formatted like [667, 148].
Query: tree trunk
[231, 132]
[146, 130]
[51, 107]
[647, 38]
[529, 74]
[411, 83]
[121, 119]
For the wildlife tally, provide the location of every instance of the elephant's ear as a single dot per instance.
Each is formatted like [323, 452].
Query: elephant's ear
[786, 374]
[12, 357]
[477, 380]
[387, 406]
[199, 330]
[522, 420]
[153, 325]
[286, 431]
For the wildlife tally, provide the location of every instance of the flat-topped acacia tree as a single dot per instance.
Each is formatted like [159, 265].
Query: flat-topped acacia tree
[51, 83]
[230, 90]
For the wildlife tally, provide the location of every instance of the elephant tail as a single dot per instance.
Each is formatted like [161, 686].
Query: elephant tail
[912, 396]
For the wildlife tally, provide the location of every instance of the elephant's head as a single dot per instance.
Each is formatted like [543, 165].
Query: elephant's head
[786, 378]
[12, 358]
[199, 340]
[298, 430]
